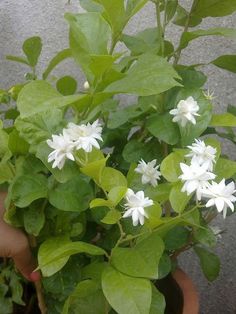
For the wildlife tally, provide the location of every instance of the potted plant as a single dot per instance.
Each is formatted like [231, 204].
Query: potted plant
[111, 195]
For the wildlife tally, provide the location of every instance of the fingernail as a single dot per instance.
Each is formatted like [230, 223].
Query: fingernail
[35, 276]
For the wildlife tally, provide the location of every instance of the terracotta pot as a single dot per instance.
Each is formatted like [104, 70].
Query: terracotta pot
[189, 292]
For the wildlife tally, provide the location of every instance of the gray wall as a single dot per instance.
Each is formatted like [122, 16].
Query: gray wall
[20, 19]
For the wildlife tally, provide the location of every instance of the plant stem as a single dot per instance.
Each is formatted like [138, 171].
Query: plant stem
[159, 27]
[186, 26]
[41, 301]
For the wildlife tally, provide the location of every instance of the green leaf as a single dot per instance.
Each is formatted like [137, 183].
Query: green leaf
[170, 168]
[209, 262]
[45, 249]
[99, 202]
[69, 170]
[114, 13]
[224, 119]
[40, 127]
[86, 297]
[121, 116]
[176, 238]
[90, 6]
[34, 219]
[111, 178]
[191, 78]
[5, 152]
[28, 188]
[136, 293]
[39, 96]
[214, 8]
[59, 57]
[220, 31]
[100, 64]
[17, 59]
[158, 302]
[225, 168]
[143, 42]
[171, 7]
[116, 194]
[150, 75]
[111, 217]
[205, 236]
[52, 259]
[74, 195]
[134, 151]
[94, 169]
[226, 62]
[141, 260]
[162, 127]
[6, 172]
[178, 199]
[133, 6]
[84, 28]
[32, 48]
[182, 17]
[66, 85]
[17, 144]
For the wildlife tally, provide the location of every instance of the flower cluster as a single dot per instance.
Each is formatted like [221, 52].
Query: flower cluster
[74, 137]
[197, 175]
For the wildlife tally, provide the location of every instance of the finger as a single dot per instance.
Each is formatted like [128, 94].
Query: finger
[25, 262]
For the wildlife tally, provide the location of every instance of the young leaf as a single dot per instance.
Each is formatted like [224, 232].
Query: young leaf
[136, 293]
[227, 62]
[214, 8]
[209, 262]
[59, 57]
[170, 168]
[133, 6]
[225, 168]
[224, 119]
[17, 59]
[111, 178]
[111, 217]
[32, 48]
[141, 260]
[178, 199]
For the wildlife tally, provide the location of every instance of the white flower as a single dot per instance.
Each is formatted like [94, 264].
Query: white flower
[149, 172]
[196, 178]
[202, 154]
[185, 111]
[86, 85]
[220, 195]
[136, 202]
[63, 148]
[85, 136]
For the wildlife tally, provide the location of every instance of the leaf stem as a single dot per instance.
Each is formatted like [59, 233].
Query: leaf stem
[159, 27]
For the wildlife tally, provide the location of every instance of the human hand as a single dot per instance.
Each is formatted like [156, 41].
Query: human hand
[14, 244]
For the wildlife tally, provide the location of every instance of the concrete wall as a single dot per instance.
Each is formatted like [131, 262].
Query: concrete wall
[20, 19]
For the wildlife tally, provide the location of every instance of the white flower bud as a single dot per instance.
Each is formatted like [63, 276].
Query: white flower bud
[86, 85]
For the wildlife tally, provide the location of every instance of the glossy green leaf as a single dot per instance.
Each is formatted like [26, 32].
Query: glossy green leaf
[34, 219]
[112, 217]
[98, 202]
[224, 119]
[136, 293]
[111, 178]
[53, 259]
[176, 238]
[39, 96]
[59, 57]
[162, 127]
[220, 31]
[209, 262]
[141, 260]
[205, 236]
[116, 194]
[158, 302]
[178, 199]
[214, 8]
[45, 249]
[150, 75]
[74, 195]
[225, 168]
[32, 48]
[28, 188]
[170, 168]
[226, 62]
[94, 169]
[86, 297]
[17, 144]
[66, 85]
